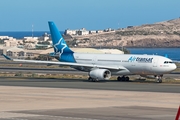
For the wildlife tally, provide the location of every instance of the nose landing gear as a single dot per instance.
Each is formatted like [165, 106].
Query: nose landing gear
[159, 78]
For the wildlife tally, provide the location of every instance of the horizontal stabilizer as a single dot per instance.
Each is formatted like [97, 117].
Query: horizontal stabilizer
[8, 58]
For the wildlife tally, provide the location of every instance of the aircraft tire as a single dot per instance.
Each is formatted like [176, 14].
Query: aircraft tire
[123, 78]
[127, 78]
[160, 81]
[90, 79]
[119, 78]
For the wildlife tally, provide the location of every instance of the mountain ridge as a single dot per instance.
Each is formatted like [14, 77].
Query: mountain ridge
[160, 34]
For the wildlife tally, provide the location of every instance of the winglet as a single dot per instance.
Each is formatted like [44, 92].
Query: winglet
[8, 58]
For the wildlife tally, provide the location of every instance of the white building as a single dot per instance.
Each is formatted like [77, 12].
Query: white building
[70, 32]
[4, 37]
[83, 31]
[15, 52]
[31, 39]
[100, 31]
[92, 32]
[44, 37]
[27, 38]
[11, 43]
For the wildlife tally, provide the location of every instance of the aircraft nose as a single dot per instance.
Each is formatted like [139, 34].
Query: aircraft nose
[173, 67]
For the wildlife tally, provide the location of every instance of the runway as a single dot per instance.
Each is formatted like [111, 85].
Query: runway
[74, 99]
[42, 70]
[62, 70]
[84, 84]
[42, 103]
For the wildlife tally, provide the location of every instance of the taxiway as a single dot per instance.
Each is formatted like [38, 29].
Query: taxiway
[73, 99]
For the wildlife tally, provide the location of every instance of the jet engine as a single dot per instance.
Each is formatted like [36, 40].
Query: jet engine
[100, 74]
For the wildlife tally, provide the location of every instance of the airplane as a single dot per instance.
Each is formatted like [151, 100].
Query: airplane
[103, 66]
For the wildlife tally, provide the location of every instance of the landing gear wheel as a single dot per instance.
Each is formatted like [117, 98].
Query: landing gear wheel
[159, 78]
[123, 78]
[90, 79]
[93, 80]
[160, 81]
[118, 78]
[127, 79]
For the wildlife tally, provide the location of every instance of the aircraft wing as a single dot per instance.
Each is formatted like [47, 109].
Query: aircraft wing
[67, 63]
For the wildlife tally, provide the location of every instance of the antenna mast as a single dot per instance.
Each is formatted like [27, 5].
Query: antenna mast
[32, 30]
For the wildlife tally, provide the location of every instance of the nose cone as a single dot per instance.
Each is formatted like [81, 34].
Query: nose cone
[173, 67]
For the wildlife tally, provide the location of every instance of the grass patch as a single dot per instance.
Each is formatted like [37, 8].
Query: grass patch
[50, 76]
[72, 76]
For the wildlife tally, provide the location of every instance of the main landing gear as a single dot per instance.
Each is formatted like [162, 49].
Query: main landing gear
[159, 78]
[90, 79]
[123, 78]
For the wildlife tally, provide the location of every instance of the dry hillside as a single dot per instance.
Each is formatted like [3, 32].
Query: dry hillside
[161, 34]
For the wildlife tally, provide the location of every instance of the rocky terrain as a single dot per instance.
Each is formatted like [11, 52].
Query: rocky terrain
[161, 34]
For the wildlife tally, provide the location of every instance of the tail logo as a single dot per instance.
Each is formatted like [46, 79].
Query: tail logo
[59, 45]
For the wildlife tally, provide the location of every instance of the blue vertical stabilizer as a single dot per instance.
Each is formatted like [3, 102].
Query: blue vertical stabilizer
[59, 44]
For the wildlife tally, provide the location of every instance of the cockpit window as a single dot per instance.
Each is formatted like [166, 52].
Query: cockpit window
[166, 62]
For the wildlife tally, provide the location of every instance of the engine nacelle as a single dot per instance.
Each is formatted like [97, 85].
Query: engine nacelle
[100, 74]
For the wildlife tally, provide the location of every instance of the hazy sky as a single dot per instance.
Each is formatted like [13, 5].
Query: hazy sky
[19, 15]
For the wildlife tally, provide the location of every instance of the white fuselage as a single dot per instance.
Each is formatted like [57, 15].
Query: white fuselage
[133, 64]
